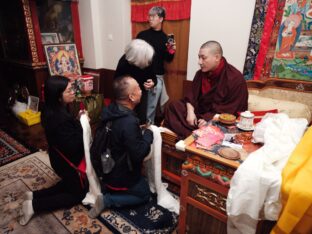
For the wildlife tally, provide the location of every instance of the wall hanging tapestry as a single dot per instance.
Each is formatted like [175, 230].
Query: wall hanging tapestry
[62, 59]
[293, 51]
[257, 25]
[286, 43]
[10, 149]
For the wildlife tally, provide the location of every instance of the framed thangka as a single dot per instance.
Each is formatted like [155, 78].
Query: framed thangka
[293, 51]
[62, 59]
[285, 48]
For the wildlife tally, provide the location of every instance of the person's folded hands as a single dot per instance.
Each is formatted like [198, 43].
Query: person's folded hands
[148, 84]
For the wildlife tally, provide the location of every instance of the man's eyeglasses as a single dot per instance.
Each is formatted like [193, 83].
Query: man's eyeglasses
[152, 16]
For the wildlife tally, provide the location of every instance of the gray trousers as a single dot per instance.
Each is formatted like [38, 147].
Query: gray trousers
[159, 91]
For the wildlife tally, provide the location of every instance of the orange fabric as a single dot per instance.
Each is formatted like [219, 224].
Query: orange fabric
[288, 41]
[286, 44]
[296, 190]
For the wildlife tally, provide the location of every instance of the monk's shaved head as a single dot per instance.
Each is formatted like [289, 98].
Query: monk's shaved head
[214, 47]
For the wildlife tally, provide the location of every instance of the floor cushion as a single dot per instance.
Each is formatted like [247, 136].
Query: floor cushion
[292, 109]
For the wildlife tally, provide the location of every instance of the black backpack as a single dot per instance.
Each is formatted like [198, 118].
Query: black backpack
[100, 151]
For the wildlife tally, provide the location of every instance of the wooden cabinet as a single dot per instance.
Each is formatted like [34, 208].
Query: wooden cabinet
[203, 196]
[202, 180]
[203, 206]
[172, 161]
[22, 58]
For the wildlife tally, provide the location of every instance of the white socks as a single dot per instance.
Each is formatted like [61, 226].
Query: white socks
[27, 212]
[98, 207]
[28, 195]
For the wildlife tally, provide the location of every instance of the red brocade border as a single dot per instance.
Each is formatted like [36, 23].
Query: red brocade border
[265, 40]
[269, 39]
[175, 9]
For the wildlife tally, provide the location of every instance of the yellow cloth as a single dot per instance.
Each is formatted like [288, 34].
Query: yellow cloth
[296, 191]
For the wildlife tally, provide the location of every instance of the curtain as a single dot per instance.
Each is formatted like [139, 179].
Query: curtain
[176, 22]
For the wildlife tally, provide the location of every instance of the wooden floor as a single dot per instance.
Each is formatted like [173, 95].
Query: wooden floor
[32, 136]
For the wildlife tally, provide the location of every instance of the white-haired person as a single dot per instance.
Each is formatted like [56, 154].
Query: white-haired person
[136, 62]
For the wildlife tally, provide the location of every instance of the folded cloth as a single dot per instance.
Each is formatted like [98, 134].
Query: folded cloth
[153, 173]
[255, 186]
[94, 183]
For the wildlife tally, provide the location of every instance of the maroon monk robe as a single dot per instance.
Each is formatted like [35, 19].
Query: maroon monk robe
[228, 94]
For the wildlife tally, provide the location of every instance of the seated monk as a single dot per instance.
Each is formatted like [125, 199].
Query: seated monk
[217, 87]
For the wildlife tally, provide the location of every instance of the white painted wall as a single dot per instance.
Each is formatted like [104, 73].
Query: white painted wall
[227, 22]
[90, 33]
[116, 30]
[106, 30]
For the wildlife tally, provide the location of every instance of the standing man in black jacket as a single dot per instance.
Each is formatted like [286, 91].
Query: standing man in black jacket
[164, 51]
[125, 185]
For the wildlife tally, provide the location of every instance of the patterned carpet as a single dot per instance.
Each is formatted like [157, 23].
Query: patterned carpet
[10, 149]
[147, 218]
[33, 172]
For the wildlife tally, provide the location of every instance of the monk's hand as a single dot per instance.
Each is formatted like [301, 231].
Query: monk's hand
[201, 123]
[191, 118]
[148, 84]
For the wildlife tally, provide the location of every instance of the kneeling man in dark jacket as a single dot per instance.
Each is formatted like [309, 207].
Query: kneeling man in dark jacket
[125, 185]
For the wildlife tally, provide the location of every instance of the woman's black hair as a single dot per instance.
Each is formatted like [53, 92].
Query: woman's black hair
[53, 101]
[53, 91]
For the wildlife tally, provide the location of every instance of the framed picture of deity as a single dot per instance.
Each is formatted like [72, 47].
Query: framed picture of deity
[62, 59]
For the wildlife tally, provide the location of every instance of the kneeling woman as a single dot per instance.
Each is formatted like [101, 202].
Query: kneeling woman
[64, 135]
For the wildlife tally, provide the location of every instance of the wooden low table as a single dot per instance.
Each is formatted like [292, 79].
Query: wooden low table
[204, 188]
[173, 159]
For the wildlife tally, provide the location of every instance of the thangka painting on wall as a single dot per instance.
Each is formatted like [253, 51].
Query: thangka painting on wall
[286, 42]
[62, 59]
[293, 52]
